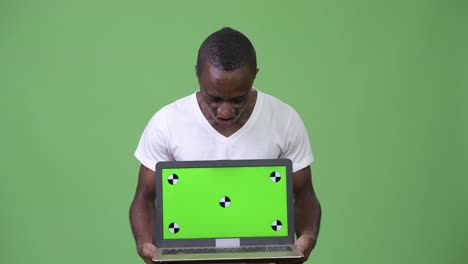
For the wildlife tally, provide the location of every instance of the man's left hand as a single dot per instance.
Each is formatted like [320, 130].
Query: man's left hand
[305, 244]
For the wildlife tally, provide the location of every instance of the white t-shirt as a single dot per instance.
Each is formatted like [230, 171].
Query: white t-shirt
[180, 131]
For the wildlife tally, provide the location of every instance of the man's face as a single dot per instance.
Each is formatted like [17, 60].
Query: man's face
[226, 93]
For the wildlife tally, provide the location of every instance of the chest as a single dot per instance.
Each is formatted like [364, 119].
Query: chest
[202, 145]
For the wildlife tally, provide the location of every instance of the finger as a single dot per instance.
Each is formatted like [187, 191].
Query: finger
[147, 251]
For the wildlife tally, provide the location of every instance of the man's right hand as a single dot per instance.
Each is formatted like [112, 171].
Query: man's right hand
[143, 215]
[146, 252]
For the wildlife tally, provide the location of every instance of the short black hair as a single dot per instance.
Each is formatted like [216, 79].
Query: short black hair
[226, 49]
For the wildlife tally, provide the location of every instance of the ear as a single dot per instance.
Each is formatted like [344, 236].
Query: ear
[197, 74]
[255, 73]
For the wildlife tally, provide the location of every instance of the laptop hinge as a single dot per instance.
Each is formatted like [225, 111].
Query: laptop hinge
[228, 242]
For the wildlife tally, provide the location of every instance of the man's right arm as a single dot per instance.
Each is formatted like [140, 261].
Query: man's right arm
[142, 213]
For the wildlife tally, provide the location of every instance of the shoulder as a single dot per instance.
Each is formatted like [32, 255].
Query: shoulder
[180, 108]
[180, 105]
[277, 107]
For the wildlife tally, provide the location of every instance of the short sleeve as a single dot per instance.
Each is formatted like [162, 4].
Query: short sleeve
[297, 146]
[152, 146]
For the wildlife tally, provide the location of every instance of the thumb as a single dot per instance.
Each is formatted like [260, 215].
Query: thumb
[146, 250]
[301, 244]
[305, 245]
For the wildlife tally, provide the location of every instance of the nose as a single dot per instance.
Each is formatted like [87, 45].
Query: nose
[225, 111]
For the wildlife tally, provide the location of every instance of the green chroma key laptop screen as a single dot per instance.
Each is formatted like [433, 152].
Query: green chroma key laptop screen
[224, 202]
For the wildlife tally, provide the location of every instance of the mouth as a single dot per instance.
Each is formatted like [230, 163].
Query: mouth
[225, 122]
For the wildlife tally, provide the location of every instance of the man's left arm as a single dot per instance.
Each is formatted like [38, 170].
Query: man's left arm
[307, 211]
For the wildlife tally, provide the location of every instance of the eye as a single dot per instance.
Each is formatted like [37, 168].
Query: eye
[215, 99]
[237, 100]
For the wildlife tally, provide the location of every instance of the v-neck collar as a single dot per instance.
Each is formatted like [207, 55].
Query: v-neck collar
[206, 124]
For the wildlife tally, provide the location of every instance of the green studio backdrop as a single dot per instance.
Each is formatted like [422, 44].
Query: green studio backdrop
[381, 87]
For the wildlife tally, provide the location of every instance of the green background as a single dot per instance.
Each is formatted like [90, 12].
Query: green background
[193, 203]
[382, 87]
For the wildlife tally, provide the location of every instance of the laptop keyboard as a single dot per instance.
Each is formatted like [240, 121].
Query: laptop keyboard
[225, 250]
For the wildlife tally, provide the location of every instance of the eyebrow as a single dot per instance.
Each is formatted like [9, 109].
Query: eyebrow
[231, 99]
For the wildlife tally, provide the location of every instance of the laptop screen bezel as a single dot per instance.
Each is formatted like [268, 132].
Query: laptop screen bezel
[211, 242]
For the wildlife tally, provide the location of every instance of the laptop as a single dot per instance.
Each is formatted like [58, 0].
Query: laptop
[225, 211]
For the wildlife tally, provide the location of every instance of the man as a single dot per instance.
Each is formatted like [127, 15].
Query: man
[225, 119]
